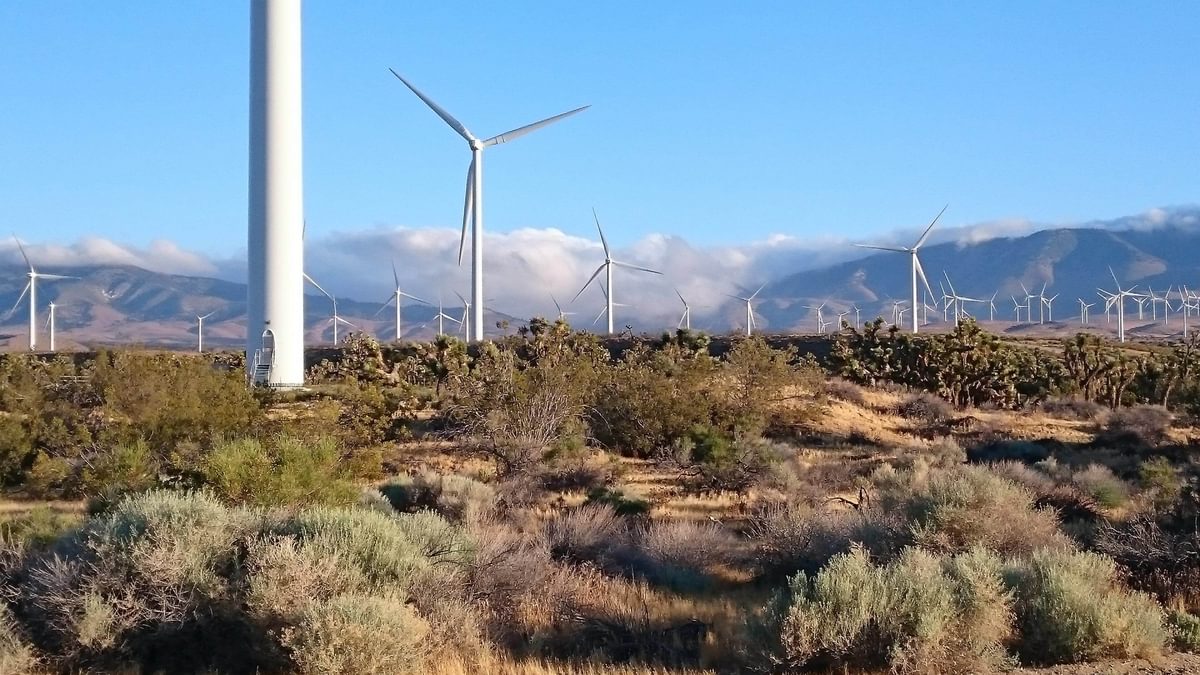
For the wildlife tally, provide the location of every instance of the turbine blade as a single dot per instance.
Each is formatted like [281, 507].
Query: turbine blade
[949, 283]
[318, 286]
[681, 297]
[530, 128]
[556, 305]
[413, 297]
[19, 299]
[22, 249]
[384, 306]
[930, 228]
[635, 267]
[468, 209]
[599, 229]
[883, 248]
[599, 316]
[395, 276]
[756, 293]
[589, 283]
[446, 117]
[54, 277]
[921, 273]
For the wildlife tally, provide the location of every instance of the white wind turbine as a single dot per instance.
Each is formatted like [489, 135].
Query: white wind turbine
[31, 289]
[1083, 311]
[465, 321]
[916, 262]
[562, 316]
[200, 331]
[473, 206]
[50, 325]
[1118, 299]
[958, 300]
[396, 297]
[992, 307]
[605, 309]
[335, 319]
[820, 316]
[842, 319]
[442, 315]
[607, 268]
[1049, 304]
[749, 300]
[685, 320]
[857, 320]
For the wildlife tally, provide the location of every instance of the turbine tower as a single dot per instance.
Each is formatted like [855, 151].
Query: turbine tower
[50, 325]
[275, 256]
[473, 206]
[749, 300]
[916, 263]
[607, 268]
[31, 289]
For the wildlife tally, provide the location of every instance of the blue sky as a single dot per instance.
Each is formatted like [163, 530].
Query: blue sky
[722, 123]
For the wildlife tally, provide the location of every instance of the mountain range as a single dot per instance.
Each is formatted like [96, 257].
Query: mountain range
[110, 305]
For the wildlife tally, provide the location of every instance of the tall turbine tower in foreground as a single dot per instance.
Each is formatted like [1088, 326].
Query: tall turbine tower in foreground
[275, 295]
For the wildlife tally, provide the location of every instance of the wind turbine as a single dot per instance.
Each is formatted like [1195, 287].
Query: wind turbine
[199, 330]
[606, 267]
[685, 321]
[1083, 311]
[31, 289]
[395, 297]
[820, 316]
[335, 319]
[916, 263]
[856, 317]
[1118, 299]
[50, 325]
[842, 319]
[958, 300]
[562, 316]
[605, 309]
[465, 321]
[992, 307]
[1049, 303]
[1016, 309]
[749, 300]
[473, 204]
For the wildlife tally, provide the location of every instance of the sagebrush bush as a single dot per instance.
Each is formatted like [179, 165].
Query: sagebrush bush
[1071, 607]
[1078, 409]
[456, 498]
[1161, 480]
[845, 390]
[285, 470]
[681, 554]
[953, 510]
[588, 533]
[1029, 477]
[352, 634]
[16, 655]
[1148, 425]
[1101, 484]
[921, 613]
[791, 538]
[1159, 551]
[1185, 631]
[925, 408]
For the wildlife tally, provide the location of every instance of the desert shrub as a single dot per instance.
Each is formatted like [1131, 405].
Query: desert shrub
[372, 414]
[945, 452]
[621, 503]
[1071, 607]
[791, 538]
[1159, 551]
[953, 510]
[1024, 475]
[1161, 480]
[578, 471]
[1078, 409]
[456, 498]
[1146, 425]
[1185, 630]
[284, 470]
[16, 655]
[39, 527]
[921, 613]
[681, 554]
[390, 552]
[350, 634]
[1008, 450]
[845, 390]
[925, 408]
[714, 461]
[588, 533]
[1098, 481]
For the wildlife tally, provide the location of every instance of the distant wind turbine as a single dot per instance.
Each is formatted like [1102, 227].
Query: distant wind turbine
[473, 205]
[335, 319]
[31, 289]
[685, 320]
[200, 331]
[607, 268]
[749, 300]
[916, 263]
[562, 316]
[50, 325]
[396, 297]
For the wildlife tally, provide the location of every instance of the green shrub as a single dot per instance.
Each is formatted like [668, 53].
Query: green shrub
[284, 471]
[352, 634]
[921, 614]
[621, 503]
[38, 527]
[791, 538]
[1185, 628]
[16, 655]
[456, 498]
[1146, 425]
[1071, 608]
[953, 510]
[925, 408]
[721, 463]
[1161, 479]
[1099, 482]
